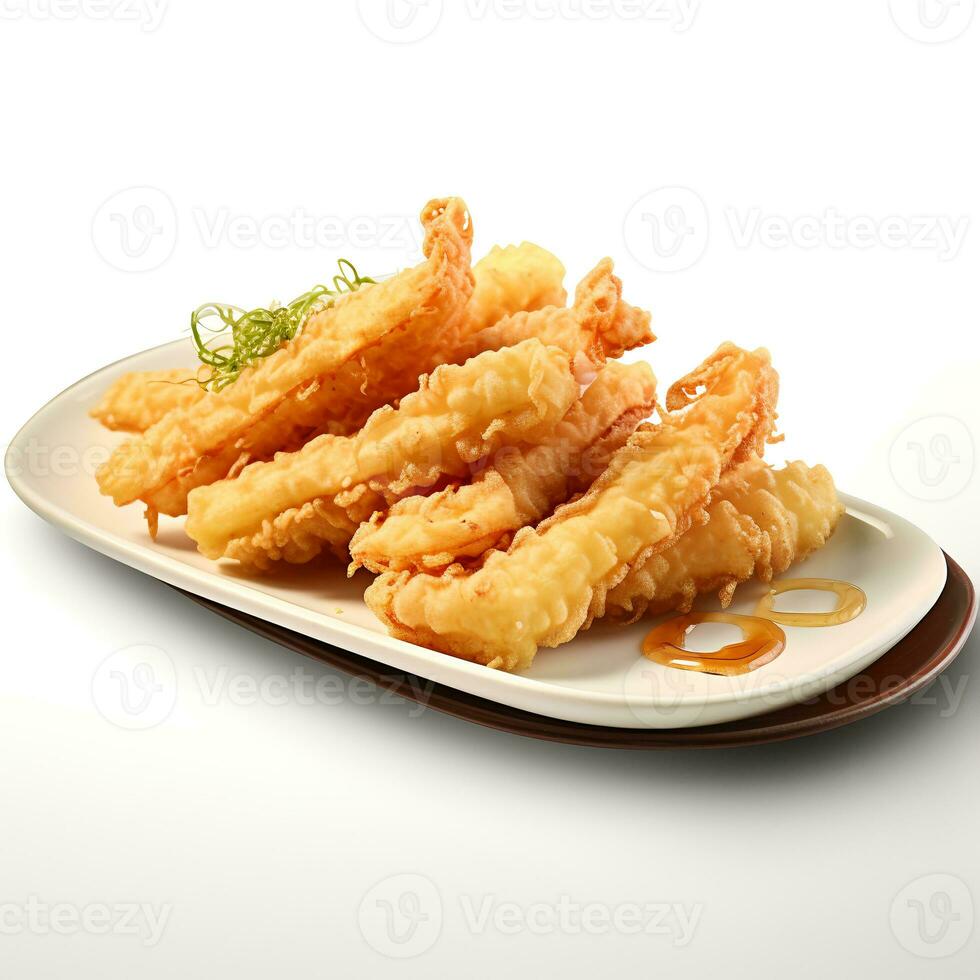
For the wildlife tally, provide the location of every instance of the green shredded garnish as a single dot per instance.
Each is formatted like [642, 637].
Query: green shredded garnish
[258, 333]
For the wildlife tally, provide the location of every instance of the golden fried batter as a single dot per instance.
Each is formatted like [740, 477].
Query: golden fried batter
[459, 414]
[507, 280]
[554, 578]
[137, 400]
[760, 521]
[521, 277]
[511, 279]
[300, 534]
[366, 345]
[596, 327]
[523, 484]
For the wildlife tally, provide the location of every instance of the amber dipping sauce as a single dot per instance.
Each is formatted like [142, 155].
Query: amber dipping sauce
[850, 602]
[762, 642]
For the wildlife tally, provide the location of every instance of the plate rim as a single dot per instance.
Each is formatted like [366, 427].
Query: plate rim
[493, 714]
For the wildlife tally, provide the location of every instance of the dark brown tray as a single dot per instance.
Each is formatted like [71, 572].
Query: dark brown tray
[910, 665]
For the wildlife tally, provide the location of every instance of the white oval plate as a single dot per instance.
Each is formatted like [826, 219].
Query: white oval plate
[599, 678]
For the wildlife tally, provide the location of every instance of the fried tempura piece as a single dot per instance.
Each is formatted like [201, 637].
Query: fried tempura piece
[369, 344]
[596, 327]
[760, 521]
[138, 399]
[507, 280]
[523, 484]
[459, 414]
[300, 534]
[263, 440]
[554, 578]
[513, 279]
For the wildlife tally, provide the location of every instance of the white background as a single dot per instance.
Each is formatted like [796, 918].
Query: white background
[260, 827]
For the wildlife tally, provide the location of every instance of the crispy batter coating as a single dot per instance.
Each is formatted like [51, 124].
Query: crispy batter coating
[512, 279]
[365, 346]
[138, 399]
[522, 277]
[507, 280]
[300, 534]
[596, 327]
[554, 579]
[263, 440]
[459, 414]
[523, 484]
[760, 521]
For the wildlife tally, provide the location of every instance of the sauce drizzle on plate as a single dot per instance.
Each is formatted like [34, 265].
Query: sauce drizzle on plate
[850, 602]
[762, 641]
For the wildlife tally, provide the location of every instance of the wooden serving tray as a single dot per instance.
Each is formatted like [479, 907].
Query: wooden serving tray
[909, 666]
